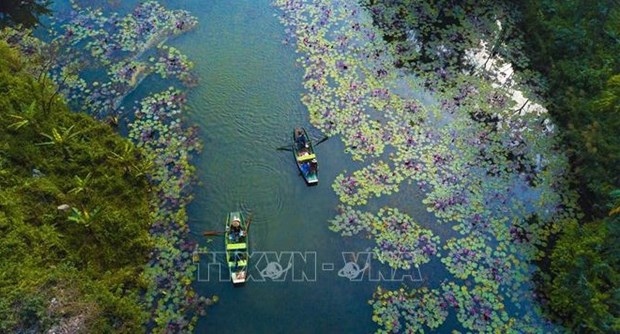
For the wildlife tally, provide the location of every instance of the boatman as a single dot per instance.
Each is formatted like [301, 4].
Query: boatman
[236, 230]
[300, 139]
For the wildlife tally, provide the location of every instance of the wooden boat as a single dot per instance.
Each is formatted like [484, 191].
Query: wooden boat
[305, 158]
[236, 241]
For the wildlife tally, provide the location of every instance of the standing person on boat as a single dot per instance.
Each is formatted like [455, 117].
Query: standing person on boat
[300, 138]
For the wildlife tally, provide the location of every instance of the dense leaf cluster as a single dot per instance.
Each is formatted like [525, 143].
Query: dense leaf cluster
[575, 45]
[74, 214]
[584, 283]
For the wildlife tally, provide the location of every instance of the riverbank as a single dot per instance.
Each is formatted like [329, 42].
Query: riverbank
[97, 59]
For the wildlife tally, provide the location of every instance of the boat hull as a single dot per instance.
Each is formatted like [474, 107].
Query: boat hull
[236, 243]
[305, 157]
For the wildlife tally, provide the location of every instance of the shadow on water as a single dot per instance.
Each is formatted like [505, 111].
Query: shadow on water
[23, 12]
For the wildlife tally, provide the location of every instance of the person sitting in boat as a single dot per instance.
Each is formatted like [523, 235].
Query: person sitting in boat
[305, 168]
[303, 151]
[313, 166]
[237, 256]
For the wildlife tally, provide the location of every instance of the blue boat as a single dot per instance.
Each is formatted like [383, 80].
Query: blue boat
[305, 157]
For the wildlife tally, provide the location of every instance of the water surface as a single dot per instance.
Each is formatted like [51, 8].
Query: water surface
[246, 106]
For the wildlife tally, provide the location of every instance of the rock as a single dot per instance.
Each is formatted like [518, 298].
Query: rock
[37, 173]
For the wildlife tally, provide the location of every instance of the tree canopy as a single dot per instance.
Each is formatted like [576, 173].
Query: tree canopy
[584, 290]
[575, 44]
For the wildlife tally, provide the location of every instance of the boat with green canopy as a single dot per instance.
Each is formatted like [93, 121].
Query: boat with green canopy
[236, 241]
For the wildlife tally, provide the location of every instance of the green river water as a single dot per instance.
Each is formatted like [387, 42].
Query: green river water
[246, 107]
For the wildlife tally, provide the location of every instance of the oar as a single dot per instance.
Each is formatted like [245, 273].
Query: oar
[322, 140]
[247, 226]
[212, 233]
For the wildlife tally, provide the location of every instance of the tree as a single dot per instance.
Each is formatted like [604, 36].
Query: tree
[585, 286]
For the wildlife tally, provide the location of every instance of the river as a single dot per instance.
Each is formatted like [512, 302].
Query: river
[304, 278]
[246, 107]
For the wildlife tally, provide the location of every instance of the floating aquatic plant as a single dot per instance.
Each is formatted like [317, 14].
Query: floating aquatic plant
[479, 309]
[87, 41]
[172, 63]
[408, 311]
[374, 180]
[351, 221]
[471, 258]
[400, 242]
[158, 130]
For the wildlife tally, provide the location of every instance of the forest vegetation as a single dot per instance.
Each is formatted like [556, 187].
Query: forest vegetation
[575, 46]
[74, 213]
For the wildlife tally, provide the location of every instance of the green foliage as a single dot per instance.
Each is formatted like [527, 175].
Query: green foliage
[584, 287]
[73, 220]
[575, 44]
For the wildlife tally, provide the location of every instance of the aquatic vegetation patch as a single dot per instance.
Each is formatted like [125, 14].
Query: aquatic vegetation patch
[158, 130]
[117, 51]
[471, 258]
[350, 221]
[172, 63]
[400, 242]
[374, 180]
[408, 311]
[478, 309]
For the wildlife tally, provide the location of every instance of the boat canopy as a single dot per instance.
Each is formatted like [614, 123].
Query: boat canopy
[306, 157]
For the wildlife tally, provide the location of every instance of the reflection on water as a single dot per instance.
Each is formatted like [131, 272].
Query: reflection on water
[23, 12]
